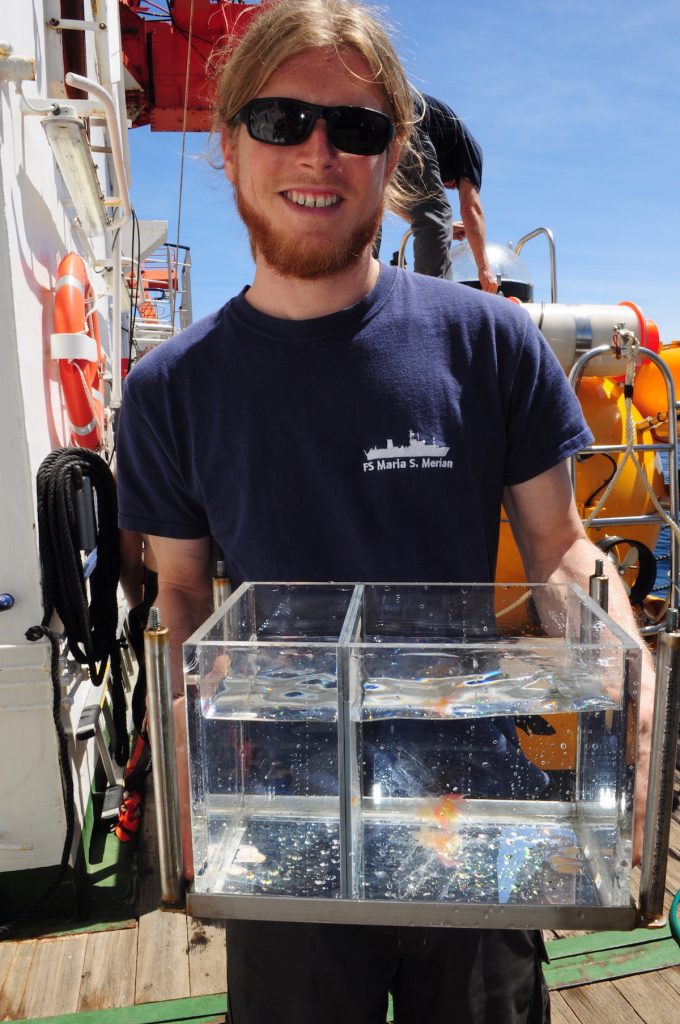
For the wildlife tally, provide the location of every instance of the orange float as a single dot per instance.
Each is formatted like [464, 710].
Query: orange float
[76, 345]
[650, 394]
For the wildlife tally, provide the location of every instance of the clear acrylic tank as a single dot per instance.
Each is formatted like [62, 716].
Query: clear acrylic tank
[367, 752]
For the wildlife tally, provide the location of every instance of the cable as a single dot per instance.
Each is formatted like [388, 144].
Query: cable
[181, 173]
[583, 457]
[134, 283]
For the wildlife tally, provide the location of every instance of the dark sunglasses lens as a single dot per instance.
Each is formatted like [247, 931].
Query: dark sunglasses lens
[280, 122]
[358, 130]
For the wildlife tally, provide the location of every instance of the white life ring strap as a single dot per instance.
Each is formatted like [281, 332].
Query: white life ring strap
[74, 346]
[72, 281]
[83, 431]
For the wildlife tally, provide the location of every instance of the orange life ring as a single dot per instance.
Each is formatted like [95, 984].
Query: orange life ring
[76, 345]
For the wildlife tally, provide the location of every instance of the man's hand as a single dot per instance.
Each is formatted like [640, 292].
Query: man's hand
[475, 231]
[458, 231]
[644, 739]
[487, 279]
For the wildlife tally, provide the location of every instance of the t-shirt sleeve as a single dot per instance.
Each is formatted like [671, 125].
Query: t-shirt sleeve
[458, 152]
[467, 156]
[154, 489]
[544, 420]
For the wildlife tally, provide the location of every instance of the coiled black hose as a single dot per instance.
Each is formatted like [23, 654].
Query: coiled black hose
[91, 631]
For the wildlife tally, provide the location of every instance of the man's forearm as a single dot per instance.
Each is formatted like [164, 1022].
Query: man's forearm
[472, 216]
[181, 612]
[475, 233]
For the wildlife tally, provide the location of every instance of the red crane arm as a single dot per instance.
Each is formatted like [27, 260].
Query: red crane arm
[155, 38]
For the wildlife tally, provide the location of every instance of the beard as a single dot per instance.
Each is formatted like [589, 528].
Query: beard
[315, 259]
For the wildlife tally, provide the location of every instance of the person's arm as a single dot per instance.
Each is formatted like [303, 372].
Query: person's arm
[132, 567]
[555, 549]
[184, 601]
[475, 231]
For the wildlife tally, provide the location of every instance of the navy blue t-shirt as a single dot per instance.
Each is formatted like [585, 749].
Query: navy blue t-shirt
[369, 445]
[372, 444]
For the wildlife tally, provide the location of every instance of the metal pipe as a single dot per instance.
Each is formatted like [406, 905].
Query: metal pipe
[89, 86]
[651, 517]
[402, 249]
[575, 375]
[599, 586]
[162, 740]
[661, 774]
[116, 339]
[16, 69]
[95, 89]
[551, 246]
[221, 585]
[73, 25]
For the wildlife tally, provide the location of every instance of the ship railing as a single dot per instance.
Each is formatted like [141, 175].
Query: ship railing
[670, 508]
[160, 292]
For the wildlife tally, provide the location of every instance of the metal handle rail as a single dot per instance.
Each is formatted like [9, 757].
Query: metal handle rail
[402, 249]
[661, 775]
[123, 200]
[670, 446]
[551, 246]
[162, 740]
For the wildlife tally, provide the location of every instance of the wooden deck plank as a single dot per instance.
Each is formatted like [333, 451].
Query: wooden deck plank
[149, 893]
[7, 951]
[560, 1012]
[16, 977]
[651, 997]
[207, 957]
[162, 962]
[54, 980]
[672, 875]
[601, 1004]
[205, 1010]
[672, 978]
[109, 970]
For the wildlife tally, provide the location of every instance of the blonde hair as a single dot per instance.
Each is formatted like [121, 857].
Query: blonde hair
[284, 28]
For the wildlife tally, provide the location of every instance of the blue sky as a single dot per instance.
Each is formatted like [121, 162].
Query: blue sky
[577, 107]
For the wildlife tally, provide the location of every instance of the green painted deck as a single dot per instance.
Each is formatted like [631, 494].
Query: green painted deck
[166, 968]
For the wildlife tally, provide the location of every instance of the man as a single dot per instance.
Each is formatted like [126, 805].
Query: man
[252, 428]
[448, 156]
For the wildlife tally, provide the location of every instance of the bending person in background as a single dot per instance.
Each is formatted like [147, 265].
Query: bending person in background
[448, 156]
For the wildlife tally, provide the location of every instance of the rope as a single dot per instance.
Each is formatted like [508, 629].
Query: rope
[184, 137]
[91, 632]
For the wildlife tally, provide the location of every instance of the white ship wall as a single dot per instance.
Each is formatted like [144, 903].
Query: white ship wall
[36, 230]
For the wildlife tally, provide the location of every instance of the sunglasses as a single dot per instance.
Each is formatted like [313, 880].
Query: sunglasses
[283, 122]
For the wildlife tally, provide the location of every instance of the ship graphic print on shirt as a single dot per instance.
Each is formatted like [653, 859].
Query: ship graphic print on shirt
[417, 454]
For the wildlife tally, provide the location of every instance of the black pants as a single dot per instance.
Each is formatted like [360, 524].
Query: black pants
[281, 973]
